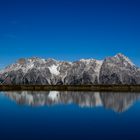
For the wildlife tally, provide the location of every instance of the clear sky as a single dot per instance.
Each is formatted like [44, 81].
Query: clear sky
[69, 29]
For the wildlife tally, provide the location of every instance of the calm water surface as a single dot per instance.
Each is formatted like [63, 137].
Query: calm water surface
[69, 115]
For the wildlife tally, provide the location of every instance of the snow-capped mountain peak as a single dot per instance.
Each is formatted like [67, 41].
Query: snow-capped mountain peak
[112, 70]
[124, 59]
[86, 60]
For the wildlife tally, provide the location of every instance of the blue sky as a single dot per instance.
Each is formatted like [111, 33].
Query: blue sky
[69, 29]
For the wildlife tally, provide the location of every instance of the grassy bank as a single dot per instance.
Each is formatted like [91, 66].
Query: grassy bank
[125, 88]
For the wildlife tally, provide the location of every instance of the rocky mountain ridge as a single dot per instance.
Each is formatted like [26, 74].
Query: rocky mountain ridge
[36, 71]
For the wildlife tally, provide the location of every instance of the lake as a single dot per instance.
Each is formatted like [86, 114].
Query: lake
[69, 115]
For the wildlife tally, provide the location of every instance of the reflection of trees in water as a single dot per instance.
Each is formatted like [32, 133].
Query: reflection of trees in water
[119, 102]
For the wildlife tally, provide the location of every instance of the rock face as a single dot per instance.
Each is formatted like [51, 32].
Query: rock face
[112, 70]
[119, 70]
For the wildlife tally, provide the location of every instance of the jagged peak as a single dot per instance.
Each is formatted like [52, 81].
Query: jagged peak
[86, 60]
[29, 60]
[122, 56]
[90, 60]
[51, 59]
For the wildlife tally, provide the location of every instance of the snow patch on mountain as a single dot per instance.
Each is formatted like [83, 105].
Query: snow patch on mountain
[98, 68]
[98, 65]
[28, 67]
[54, 69]
[86, 60]
[125, 59]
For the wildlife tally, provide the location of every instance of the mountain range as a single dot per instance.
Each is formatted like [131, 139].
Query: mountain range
[118, 69]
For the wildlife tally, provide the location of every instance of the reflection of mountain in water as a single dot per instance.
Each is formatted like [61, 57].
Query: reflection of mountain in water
[119, 102]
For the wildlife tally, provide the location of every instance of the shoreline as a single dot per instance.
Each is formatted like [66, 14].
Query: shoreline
[115, 88]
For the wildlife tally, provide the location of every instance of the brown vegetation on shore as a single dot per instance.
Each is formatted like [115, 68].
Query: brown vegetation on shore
[125, 88]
